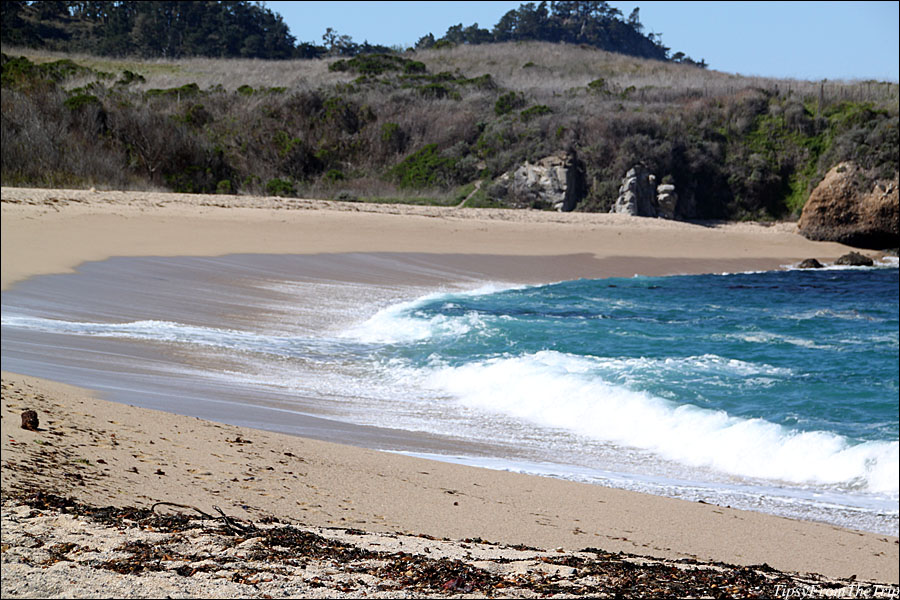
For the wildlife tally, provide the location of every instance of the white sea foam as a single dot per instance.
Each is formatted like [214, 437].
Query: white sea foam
[399, 322]
[889, 261]
[885, 262]
[561, 391]
[844, 315]
[765, 337]
[148, 329]
[180, 333]
[706, 363]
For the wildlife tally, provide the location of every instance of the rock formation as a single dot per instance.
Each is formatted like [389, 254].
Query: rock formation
[810, 263]
[843, 209]
[666, 201]
[554, 181]
[854, 259]
[640, 196]
[637, 194]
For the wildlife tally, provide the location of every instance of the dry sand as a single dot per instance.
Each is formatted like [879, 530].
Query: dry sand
[53, 231]
[103, 453]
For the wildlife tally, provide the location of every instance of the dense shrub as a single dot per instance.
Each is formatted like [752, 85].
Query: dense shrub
[535, 111]
[187, 90]
[129, 77]
[424, 168]
[751, 152]
[508, 102]
[393, 138]
[280, 187]
[333, 175]
[78, 101]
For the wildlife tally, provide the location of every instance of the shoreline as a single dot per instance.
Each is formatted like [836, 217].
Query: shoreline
[42, 235]
[53, 231]
[104, 453]
[319, 303]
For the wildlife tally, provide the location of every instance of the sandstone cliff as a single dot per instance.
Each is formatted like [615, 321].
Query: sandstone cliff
[847, 207]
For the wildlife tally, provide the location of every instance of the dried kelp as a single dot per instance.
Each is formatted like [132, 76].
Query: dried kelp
[256, 555]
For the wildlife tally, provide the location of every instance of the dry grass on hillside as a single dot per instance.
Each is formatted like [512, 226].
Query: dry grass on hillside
[538, 68]
[544, 69]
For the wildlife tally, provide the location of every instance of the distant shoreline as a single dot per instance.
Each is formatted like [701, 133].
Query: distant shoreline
[53, 231]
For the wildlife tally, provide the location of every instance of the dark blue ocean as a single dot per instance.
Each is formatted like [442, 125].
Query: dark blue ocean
[773, 391]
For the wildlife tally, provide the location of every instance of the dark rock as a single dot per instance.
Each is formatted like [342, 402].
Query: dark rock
[29, 420]
[855, 259]
[849, 207]
[810, 263]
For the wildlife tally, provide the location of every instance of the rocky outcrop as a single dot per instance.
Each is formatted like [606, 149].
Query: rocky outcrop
[666, 201]
[639, 196]
[554, 181]
[854, 259]
[843, 208]
[810, 263]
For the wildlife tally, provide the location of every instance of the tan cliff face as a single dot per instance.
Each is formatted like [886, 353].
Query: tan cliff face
[843, 208]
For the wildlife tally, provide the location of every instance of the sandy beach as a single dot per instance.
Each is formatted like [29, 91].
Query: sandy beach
[100, 453]
[53, 231]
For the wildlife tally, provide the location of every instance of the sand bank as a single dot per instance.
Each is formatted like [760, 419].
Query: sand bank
[53, 231]
[150, 456]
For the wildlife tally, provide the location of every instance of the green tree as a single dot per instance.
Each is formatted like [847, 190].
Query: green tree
[505, 29]
[634, 19]
[425, 42]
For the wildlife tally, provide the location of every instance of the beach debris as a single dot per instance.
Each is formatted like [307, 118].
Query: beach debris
[854, 259]
[30, 420]
[230, 524]
[810, 263]
[275, 556]
[234, 525]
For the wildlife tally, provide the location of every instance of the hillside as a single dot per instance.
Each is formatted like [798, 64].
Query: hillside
[241, 29]
[426, 125]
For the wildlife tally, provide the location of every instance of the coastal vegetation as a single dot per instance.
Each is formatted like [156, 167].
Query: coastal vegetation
[431, 122]
[240, 29]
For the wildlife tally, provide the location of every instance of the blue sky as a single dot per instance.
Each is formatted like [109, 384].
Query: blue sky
[802, 40]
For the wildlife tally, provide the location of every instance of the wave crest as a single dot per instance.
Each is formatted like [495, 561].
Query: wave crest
[556, 390]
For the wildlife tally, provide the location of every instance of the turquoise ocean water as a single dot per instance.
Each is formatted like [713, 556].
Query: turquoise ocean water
[776, 384]
[773, 391]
